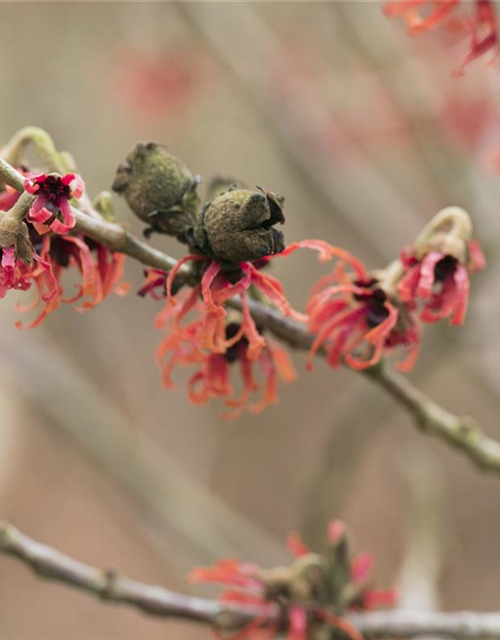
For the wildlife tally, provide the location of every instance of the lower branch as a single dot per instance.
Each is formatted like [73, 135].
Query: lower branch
[108, 585]
[463, 625]
[50, 564]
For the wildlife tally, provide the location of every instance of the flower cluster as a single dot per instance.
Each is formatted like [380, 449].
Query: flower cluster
[313, 592]
[358, 316]
[202, 332]
[36, 253]
[355, 316]
[214, 340]
[480, 25]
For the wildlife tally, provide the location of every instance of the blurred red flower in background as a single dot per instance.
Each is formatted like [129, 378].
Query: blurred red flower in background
[161, 85]
[480, 25]
[314, 590]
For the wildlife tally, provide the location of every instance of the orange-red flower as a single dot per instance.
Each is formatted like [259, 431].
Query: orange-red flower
[8, 198]
[314, 590]
[14, 273]
[420, 15]
[480, 25]
[200, 331]
[101, 271]
[441, 280]
[184, 345]
[483, 31]
[355, 319]
[217, 287]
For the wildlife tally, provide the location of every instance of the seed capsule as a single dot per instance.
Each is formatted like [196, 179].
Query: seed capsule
[159, 189]
[238, 226]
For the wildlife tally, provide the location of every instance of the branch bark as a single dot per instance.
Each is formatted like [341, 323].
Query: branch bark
[461, 432]
[109, 586]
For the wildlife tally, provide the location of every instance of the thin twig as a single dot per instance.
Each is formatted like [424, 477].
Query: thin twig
[460, 431]
[108, 585]
[51, 564]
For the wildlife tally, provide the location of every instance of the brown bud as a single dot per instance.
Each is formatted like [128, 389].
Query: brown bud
[159, 189]
[14, 233]
[237, 226]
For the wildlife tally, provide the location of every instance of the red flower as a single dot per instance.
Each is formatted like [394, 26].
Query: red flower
[359, 569]
[357, 320]
[440, 279]
[217, 288]
[313, 590]
[422, 15]
[8, 198]
[101, 271]
[183, 346]
[160, 85]
[215, 342]
[482, 27]
[54, 193]
[14, 273]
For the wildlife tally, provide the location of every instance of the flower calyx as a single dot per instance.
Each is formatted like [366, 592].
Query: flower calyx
[449, 232]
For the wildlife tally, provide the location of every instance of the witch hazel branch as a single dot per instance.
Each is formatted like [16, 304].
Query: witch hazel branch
[219, 305]
[317, 596]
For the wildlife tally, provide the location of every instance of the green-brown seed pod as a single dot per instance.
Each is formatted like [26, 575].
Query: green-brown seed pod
[237, 226]
[159, 189]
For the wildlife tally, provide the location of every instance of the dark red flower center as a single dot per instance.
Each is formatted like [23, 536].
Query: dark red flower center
[233, 353]
[53, 189]
[445, 267]
[374, 299]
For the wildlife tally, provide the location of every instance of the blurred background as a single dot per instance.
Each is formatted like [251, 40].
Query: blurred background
[367, 135]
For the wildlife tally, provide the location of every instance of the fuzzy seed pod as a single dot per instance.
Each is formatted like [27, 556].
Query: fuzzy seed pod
[159, 189]
[237, 226]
